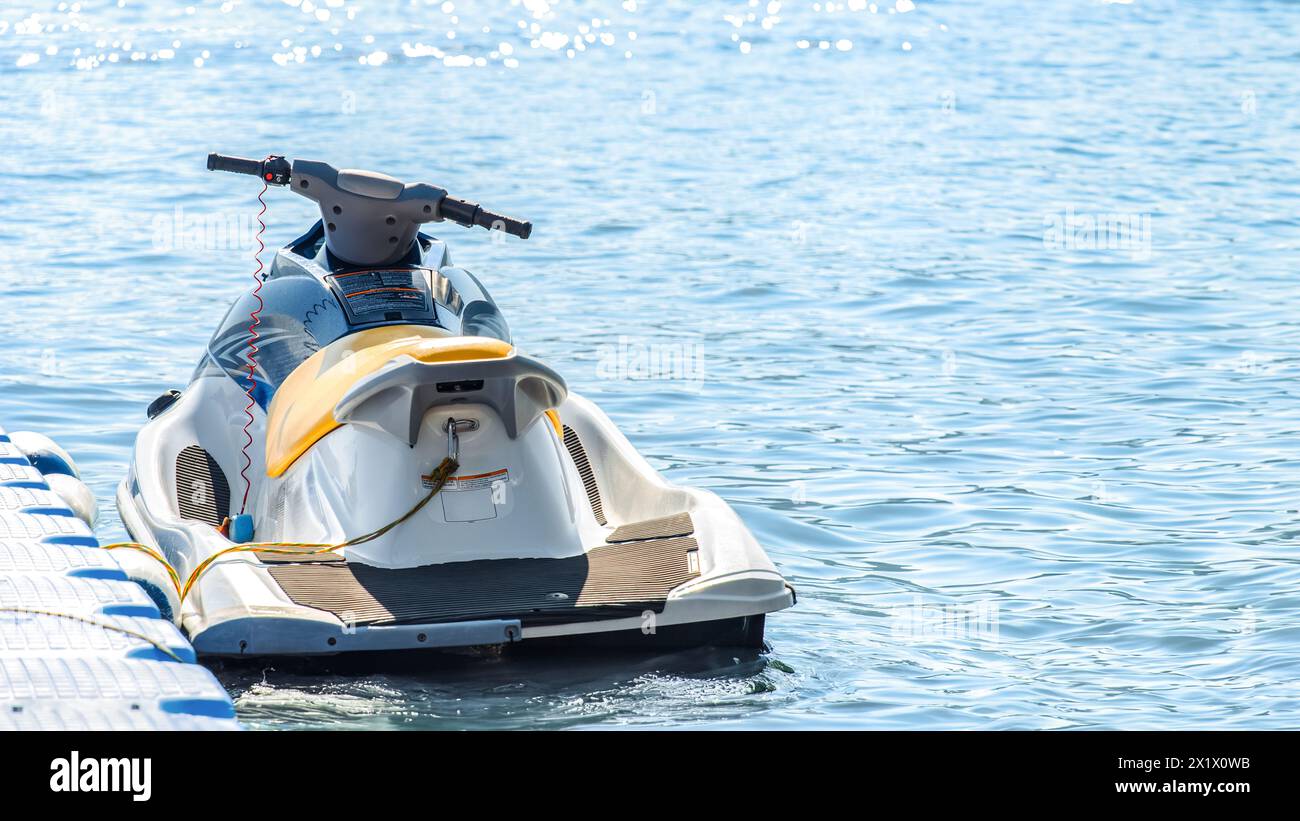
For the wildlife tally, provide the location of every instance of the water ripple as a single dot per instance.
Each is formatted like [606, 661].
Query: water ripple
[1020, 479]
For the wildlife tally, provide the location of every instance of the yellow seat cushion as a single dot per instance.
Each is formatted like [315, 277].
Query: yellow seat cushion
[302, 411]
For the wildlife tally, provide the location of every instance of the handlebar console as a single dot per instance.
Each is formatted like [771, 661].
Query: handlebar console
[370, 218]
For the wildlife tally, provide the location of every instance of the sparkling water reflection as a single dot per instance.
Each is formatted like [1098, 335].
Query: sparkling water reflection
[991, 314]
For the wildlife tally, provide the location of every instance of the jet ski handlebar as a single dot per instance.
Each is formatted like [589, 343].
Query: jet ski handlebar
[469, 214]
[274, 169]
[377, 192]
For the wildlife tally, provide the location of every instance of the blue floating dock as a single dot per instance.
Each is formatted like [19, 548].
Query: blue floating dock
[81, 646]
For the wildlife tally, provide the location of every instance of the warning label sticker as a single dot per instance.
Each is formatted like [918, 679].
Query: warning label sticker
[384, 290]
[473, 497]
[477, 481]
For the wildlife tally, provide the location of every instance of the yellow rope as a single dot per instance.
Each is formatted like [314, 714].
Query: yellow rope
[158, 645]
[149, 551]
[440, 476]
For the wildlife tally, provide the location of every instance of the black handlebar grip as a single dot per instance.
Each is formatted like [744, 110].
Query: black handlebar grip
[235, 165]
[471, 213]
[500, 222]
[458, 210]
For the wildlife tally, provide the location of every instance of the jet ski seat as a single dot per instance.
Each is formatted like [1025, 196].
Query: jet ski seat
[388, 377]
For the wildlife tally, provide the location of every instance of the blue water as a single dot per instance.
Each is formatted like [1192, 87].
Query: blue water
[1019, 480]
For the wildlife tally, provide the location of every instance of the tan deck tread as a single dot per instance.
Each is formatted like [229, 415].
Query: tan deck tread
[609, 581]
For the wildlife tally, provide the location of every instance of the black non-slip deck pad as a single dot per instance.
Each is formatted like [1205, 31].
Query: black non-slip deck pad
[610, 581]
[295, 558]
[678, 524]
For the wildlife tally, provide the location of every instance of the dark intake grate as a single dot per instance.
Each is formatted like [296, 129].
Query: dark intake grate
[202, 492]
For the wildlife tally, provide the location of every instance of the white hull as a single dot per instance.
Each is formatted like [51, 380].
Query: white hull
[537, 508]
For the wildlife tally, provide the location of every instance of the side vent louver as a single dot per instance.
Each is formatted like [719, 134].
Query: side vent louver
[202, 492]
[579, 455]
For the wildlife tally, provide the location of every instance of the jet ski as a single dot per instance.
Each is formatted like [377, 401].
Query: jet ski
[364, 462]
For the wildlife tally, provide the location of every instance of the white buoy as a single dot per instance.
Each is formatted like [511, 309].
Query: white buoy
[147, 572]
[75, 495]
[44, 454]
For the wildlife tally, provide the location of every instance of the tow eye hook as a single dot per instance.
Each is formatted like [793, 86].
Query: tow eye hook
[453, 427]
